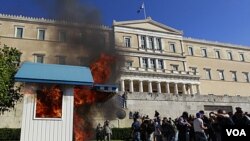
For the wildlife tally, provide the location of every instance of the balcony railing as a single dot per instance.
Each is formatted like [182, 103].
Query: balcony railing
[138, 69]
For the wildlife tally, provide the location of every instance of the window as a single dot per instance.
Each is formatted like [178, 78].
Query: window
[193, 69]
[144, 62]
[44, 107]
[39, 58]
[143, 42]
[150, 42]
[221, 75]
[204, 52]
[246, 76]
[19, 32]
[242, 57]
[41, 34]
[172, 47]
[127, 42]
[190, 51]
[62, 36]
[217, 54]
[152, 63]
[175, 67]
[158, 45]
[229, 55]
[208, 74]
[61, 60]
[234, 77]
[83, 60]
[160, 64]
[128, 63]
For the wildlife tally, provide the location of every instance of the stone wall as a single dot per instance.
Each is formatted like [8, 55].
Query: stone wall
[12, 118]
[173, 105]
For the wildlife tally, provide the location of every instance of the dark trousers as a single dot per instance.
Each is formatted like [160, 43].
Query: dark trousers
[200, 136]
[124, 103]
[99, 137]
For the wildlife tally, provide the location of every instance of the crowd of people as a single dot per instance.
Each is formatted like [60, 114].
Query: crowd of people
[187, 127]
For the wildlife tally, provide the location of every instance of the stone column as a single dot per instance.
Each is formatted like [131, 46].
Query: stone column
[122, 85]
[140, 86]
[150, 87]
[141, 64]
[167, 88]
[139, 40]
[175, 88]
[191, 89]
[183, 88]
[131, 84]
[163, 63]
[147, 42]
[154, 47]
[198, 89]
[149, 63]
[159, 87]
[156, 64]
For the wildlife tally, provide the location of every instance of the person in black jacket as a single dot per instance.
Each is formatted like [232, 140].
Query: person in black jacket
[239, 118]
[183, 126]
[168, 132]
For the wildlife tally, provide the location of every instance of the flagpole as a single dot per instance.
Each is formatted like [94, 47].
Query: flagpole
[144, 9]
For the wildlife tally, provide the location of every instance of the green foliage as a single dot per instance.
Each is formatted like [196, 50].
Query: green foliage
[9, 92]
[10, 134]
[121, 133]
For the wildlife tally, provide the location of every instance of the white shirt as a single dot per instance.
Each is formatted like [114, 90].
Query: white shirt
[198, 123]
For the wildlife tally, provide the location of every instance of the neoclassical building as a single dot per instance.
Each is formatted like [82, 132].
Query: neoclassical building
[163, 69]
[159, 59]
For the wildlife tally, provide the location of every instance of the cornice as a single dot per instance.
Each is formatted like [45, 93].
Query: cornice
[140, 31]
[48, 21]
[194, 40]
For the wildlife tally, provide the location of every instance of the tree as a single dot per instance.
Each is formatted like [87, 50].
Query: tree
[9, 64]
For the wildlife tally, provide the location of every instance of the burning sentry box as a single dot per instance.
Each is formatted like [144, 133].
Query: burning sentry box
[52, 122]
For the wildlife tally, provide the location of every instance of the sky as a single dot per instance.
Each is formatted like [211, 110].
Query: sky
[216, 20]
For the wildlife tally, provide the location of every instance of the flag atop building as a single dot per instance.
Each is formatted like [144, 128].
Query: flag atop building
[142, 7]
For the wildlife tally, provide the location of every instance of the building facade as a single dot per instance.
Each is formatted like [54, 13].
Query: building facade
[159, 59]
[163, 69]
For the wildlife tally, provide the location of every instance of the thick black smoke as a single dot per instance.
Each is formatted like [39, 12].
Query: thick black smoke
[89, 36]
[87, 32]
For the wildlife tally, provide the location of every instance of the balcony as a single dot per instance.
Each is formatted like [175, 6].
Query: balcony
[160, 72]
[151, 50]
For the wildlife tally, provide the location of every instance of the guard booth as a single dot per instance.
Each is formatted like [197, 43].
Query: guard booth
[49, 100]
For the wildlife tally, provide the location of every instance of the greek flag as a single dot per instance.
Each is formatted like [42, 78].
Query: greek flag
[141, 7]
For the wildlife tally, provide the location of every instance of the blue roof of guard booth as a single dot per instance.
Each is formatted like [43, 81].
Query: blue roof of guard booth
[51, 73]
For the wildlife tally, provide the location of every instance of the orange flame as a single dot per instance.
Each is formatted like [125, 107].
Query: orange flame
[85, 97]
[101, 69]
[49, 103]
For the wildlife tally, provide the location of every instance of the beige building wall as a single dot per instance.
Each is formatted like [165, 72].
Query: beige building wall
[51, 47]
[217, 86]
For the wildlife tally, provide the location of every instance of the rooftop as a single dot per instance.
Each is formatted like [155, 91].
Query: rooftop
[51, 73]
